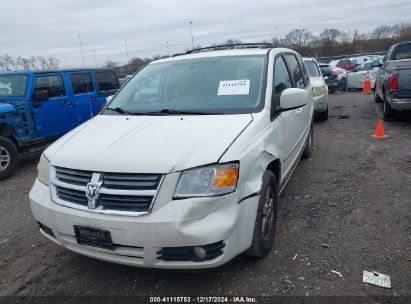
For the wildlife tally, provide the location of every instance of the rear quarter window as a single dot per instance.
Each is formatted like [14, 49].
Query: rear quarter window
[107, 82]
[81, 83]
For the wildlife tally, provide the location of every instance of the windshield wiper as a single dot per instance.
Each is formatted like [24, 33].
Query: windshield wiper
[123, 112]
[182, 112]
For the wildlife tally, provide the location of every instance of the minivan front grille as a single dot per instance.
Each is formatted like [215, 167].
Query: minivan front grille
[116, 192]
[131, 181]
[71, 195]
[74, 177]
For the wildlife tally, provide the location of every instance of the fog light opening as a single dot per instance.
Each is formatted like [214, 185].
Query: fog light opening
[200, 252]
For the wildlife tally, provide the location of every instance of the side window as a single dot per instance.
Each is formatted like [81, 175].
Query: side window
[295, 71]
[81, 83]
[107, 81]
[53, 84]
[282, 79]
[306, 77]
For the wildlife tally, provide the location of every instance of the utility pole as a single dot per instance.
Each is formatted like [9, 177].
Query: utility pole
[125, 43]
[168, 49]
[192, 38]
[95, 59]
[81, 48]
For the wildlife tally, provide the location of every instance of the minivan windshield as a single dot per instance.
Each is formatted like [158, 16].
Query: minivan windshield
[216, 85]
[13, 86]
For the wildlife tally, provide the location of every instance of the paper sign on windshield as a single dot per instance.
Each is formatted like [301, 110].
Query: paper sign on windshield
[234, 87]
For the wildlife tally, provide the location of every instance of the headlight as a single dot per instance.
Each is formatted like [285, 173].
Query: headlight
[319, 91]
[208, 181]
[43, 170]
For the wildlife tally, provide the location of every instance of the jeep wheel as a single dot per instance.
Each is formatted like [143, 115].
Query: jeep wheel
[266, 219]
[388, 113]
[308, 148]
[9, 158]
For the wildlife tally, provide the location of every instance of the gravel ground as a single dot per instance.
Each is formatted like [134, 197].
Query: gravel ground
[345, 209]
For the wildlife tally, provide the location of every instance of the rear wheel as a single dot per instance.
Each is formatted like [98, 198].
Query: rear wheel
[388, 113]
[266, 219]
[9, 158]
[377, 98]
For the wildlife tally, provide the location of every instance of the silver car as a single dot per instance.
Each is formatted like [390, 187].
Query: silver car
[319, 89]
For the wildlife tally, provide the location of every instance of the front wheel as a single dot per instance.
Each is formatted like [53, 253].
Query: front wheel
[342, 84]
[322, 116]
[266, 219]
[9, 158]
[308, 148]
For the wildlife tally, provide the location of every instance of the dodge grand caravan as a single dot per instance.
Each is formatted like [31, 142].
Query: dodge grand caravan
[183, 167]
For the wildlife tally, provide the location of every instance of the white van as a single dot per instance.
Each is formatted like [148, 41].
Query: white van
[183, 168]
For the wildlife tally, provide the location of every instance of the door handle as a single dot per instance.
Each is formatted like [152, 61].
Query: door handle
[299, 110]
[66, 103]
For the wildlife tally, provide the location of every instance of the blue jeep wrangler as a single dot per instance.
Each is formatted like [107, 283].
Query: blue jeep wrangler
[38, 107]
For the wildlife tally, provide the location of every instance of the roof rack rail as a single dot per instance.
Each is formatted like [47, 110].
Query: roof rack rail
[229, 47]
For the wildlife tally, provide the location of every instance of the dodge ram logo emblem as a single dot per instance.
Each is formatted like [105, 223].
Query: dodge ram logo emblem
[93, 191]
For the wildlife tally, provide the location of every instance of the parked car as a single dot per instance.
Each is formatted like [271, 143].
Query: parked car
[319, 89]
[345, 64]
[189, 178]
[356, 77]
[38, 107]
[392, 86]
[330, 76]
[359, 60]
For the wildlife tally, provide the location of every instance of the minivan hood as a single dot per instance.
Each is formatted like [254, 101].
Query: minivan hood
[147, 144]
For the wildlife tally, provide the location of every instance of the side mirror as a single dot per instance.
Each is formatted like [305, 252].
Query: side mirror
[376, 64]
[41, 95]
[109, 98]
[292, 99]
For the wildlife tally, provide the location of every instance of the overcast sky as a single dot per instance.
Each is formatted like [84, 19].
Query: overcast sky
[50, 27]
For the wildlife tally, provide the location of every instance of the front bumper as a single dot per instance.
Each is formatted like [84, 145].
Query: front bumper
[137, 240]
[399, 104]
[320, 103]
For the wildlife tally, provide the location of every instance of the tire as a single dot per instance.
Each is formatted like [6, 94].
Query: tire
[333, 90]
[342, 84]
[377, 98]
[308, 148]
[322, 116]
[266, 219]
[9, 158]
[388, 113]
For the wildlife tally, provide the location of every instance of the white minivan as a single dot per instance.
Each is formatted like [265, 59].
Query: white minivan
[183, 167]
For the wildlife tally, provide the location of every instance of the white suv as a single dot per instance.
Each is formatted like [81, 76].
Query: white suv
[184, 166]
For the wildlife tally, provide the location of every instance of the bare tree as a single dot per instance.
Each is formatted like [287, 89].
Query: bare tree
[111, 64]
[382, 32]
[53, 63]
[298, 38]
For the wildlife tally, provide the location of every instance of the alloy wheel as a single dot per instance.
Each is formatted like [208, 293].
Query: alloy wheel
[268, 214]
[4, 158]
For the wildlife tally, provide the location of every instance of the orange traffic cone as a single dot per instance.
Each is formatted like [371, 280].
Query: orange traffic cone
[367, 85]
[379, 131]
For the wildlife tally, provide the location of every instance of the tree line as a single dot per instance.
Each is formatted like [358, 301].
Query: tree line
[330, 42]
[10, 63]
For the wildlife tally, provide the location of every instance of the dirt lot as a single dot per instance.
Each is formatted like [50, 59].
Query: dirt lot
[347, 209]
